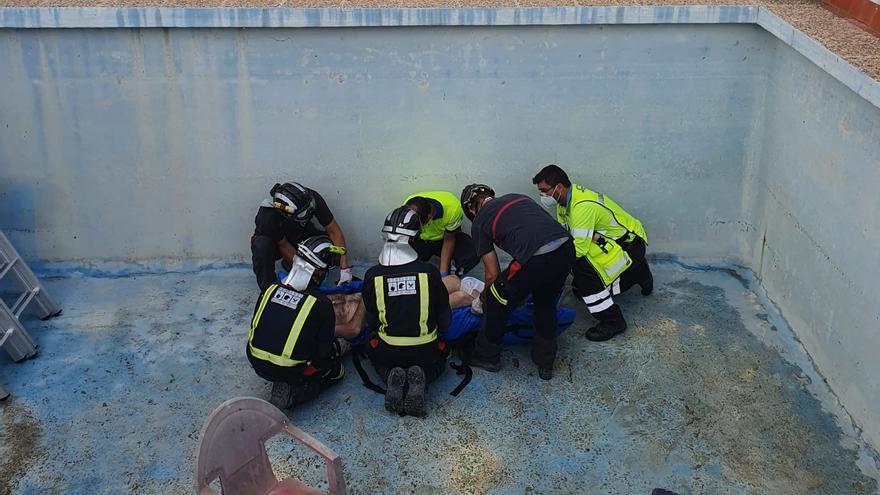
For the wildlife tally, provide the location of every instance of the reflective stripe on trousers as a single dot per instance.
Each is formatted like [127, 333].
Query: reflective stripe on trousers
[602, 300]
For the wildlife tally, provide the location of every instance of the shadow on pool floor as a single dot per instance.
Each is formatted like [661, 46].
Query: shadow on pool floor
[707, 392]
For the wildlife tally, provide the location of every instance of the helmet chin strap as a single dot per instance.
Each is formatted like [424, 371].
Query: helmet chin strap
[300, 275]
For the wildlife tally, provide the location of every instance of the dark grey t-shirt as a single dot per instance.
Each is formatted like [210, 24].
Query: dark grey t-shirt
[521, 230]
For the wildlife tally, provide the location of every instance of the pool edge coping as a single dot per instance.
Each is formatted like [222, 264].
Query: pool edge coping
[244, 17]
[814, 51]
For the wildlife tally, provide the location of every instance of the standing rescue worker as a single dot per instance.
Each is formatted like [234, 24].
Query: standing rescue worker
[291, 342]
[441, 214]
[543, 255]
[408, 309]
[284, 219]
[610, 245]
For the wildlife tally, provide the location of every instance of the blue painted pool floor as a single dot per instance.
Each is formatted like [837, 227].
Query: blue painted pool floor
[707, 392]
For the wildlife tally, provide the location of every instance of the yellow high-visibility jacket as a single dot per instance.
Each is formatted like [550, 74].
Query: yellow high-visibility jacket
[586, 213]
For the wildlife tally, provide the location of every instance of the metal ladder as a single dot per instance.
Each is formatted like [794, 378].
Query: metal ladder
[14, 339]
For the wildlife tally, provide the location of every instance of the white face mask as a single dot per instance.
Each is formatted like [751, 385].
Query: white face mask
[547, 200]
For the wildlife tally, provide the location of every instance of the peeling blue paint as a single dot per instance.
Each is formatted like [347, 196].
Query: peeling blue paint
[134, 365]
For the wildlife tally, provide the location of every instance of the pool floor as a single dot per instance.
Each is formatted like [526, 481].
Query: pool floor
[708, 392]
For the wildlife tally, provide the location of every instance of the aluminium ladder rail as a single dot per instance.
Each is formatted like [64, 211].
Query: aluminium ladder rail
[14, 339]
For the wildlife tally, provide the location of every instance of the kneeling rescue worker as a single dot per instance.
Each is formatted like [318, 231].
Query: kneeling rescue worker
[292, 342]
[284, 219]
[543, 255]
[408, 308]
[441, 215]
[610, 245]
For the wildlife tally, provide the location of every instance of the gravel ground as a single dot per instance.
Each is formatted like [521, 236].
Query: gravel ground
[840, 35]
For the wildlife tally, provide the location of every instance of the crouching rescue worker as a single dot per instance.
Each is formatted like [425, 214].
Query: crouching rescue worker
[284, 219]
[408, 309]
[543, 255]
[441, 215]
[610, 246]
[291, 342]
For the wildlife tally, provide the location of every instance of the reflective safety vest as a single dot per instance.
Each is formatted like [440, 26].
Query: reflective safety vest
[404, 286]
[449, 221]
[272, 336]
[588, 212]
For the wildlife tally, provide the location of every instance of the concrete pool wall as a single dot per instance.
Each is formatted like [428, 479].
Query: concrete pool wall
[820, 213]
[735, 138]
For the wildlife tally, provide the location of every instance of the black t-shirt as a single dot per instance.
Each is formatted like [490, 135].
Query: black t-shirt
[270, 222]
[521, 230]
[276, 321]
[402, 295]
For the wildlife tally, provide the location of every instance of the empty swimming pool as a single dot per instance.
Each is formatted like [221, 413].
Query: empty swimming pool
[137, 143]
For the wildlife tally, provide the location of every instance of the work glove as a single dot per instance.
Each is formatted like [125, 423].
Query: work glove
[344, 276]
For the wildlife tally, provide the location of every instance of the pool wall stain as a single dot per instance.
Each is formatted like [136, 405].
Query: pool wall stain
[154, 137]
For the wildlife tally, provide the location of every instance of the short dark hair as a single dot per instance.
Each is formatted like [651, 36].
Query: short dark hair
[552, 175]
[421, 206]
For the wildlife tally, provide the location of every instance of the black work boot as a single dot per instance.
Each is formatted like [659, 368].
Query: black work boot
[280, 397]
[394, 392]
[611, 323]
[545, 373]
[605, 331]
[414, 402]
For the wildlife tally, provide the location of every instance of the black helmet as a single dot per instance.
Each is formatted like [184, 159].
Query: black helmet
[469, 195]
[402, 221]
[320, 252]
[294, 200]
